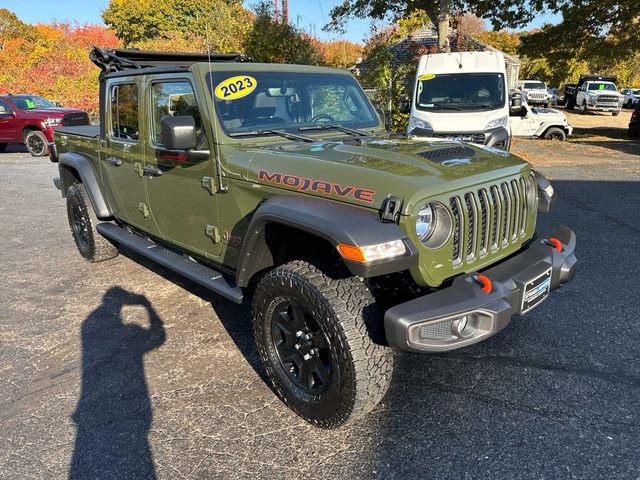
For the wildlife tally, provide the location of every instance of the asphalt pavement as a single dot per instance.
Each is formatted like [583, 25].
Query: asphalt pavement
[123, 370]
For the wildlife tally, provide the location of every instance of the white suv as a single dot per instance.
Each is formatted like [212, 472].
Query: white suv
[631, 96]
[534, 92]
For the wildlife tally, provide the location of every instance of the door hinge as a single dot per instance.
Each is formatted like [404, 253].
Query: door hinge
[212, 232]
[144, 210]
[207, 184]
[138, 168]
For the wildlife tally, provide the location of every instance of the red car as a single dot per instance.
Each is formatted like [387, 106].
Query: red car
[30, 120]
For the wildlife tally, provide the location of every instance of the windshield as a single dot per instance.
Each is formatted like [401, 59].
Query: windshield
[29, 102]
[534, 86]
[460, 91]
[636, 92]
[288, 101]
[602, 86]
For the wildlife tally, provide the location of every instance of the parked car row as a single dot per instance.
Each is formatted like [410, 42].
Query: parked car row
[31, 120]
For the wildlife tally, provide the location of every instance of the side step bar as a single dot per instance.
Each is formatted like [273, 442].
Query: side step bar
[194, 271]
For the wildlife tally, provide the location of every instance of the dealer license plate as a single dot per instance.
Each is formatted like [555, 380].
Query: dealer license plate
[536, 291]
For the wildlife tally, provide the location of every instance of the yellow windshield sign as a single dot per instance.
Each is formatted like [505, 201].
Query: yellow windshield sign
[235, 87]
[427, 76]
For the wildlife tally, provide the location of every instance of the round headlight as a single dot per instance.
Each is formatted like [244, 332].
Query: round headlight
[425, 223]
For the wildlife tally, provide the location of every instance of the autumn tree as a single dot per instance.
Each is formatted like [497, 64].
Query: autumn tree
[338, 53]
[222, 24]
[52, 60]
[271, 40]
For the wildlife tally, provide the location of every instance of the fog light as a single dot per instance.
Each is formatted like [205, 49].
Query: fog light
[465, 326]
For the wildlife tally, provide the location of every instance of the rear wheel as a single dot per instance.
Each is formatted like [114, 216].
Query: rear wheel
[555, 133]
[82, 220]
[36, 143]
[318, 333]
[3, 147]
[615, 114]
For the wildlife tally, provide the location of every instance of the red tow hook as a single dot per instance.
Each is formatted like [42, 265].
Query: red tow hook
[555, 243]
[484, 282]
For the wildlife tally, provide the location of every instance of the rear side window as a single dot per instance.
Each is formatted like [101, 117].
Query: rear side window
[5, 109]
[173, 98]
[125, 121]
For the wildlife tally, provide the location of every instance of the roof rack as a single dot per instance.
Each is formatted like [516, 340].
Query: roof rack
[114, 60]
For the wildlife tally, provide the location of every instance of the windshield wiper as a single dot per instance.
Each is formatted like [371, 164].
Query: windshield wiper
[333, 126]
[487, 106]
[441, 106]
[282, 133]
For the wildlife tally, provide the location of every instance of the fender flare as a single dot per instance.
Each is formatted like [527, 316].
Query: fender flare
[546, 126]
[83, 166]
[331, 221]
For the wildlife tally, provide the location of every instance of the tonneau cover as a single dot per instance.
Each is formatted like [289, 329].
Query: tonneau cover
[92, 131]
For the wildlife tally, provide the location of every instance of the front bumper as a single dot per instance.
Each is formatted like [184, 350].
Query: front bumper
[496, 137]
[431, 323]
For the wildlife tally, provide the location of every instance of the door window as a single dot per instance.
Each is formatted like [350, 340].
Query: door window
[125, 121]
[5, 109]
[174, 98]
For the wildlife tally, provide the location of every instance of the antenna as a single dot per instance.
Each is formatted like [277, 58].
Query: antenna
[221, 188]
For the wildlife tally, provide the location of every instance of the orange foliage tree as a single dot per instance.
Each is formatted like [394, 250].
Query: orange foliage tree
[52, 60]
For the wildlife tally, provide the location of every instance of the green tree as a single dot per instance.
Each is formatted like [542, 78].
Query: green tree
[271, 40]
[224, 23]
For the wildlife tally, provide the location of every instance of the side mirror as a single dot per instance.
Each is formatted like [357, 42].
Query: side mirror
[515, 104]
[404, 105]
[179, 132]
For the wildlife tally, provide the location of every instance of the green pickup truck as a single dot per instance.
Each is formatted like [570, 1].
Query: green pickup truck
[279, 183]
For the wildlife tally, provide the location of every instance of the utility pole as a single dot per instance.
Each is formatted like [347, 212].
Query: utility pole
[275, 10]
[285, 11]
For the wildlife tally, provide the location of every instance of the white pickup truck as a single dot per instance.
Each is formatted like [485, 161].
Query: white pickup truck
[461, 96]
[599, 95]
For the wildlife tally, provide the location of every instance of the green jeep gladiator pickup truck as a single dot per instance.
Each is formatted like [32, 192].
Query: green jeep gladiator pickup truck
[279, 182]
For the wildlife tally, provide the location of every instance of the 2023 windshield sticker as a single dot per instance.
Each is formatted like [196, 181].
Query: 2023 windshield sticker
[235, 87]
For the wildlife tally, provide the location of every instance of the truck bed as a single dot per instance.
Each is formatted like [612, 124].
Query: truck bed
[91, 131]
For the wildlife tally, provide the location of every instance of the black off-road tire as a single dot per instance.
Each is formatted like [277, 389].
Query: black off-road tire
[36, 143]
[82, 220]
[351, 325]
[615, 114]
[3, 147]
[555, 133]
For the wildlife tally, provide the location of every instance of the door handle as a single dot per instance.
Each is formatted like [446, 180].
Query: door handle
[152, 171]
[116, 162]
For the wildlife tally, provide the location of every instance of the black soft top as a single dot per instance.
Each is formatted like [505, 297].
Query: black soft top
[119, 60]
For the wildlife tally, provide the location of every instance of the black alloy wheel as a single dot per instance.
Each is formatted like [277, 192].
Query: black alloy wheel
[36, 143]
[301, 347]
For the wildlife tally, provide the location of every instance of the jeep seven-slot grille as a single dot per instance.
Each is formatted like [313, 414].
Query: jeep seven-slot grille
[488, 219]
[75, 119]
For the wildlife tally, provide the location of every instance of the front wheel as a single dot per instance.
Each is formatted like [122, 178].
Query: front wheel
[555, 133]
[3, 147]
[318, 334]
[82, 220]
[36, 143]
[583, 107]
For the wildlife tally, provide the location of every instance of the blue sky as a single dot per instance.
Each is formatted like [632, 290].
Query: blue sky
[309, 14]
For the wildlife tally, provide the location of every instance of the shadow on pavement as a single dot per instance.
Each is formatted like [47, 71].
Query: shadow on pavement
[114, 414]
[15, 148]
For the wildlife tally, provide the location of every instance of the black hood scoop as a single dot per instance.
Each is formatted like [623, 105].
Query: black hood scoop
[441, 155]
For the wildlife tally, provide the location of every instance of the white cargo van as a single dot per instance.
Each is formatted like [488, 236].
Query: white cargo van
[462, 96]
